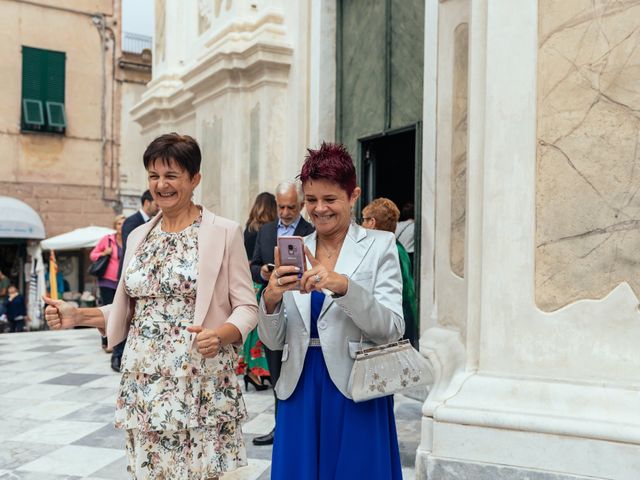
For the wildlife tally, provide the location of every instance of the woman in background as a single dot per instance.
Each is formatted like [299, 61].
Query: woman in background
[110, 245]
[252, 361]
[264, 210]
[382, 214]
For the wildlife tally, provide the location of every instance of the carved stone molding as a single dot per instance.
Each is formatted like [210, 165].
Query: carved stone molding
[244, 56]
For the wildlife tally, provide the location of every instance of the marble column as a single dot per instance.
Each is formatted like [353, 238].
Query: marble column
[535, 348]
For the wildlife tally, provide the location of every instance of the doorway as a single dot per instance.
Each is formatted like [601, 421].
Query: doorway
[389, 167]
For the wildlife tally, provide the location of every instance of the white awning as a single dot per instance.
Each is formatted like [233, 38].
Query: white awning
[19, 220]
[87, 237]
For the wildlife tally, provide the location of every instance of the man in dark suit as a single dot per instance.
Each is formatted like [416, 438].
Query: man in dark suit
[147, 210]
[290, 200]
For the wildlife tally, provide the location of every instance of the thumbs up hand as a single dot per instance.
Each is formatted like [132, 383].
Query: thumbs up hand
[59, 314]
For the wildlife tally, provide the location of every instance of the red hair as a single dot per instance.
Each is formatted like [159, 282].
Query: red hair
[330, 162]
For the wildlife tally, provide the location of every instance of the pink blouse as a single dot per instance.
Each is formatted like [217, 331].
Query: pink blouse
[103, 244]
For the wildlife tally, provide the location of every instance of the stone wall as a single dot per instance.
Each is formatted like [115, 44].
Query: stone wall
[587, 225]
[60, 175]
[63, 208]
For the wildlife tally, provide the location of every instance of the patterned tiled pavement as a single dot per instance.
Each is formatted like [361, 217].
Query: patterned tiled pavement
[57, 397]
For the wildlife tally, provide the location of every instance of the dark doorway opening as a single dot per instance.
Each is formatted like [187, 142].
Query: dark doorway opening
[389, 168]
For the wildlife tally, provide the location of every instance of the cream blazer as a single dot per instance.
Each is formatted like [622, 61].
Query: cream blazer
[224, 291]
[369, 313]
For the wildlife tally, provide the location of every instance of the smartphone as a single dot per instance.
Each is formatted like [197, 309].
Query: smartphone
[292, 253]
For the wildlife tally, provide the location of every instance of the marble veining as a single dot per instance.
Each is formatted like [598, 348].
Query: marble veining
[212, 162]
[443, 469]
[587, 207]
[460, 102]
[160, 30]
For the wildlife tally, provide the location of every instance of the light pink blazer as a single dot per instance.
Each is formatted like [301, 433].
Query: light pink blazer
[224, 291]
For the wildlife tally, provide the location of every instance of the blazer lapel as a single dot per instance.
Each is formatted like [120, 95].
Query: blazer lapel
[303, 300]
[355, 247]
[211, 243]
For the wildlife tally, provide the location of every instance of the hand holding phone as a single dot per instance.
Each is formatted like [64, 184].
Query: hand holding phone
[291, 253]
[289, 266]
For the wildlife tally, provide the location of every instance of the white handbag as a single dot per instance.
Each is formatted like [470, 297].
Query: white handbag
[387, 369]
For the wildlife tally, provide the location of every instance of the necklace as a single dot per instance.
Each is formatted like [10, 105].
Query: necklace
[329, 253]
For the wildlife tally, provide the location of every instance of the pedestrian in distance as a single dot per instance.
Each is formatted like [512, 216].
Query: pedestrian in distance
[16, 310]
[109, 246]
[4, 291]
[289, 201]
[405, 229]
[252, 362]
[186, 300]
[349, 296]
[382, 214]
[147, 211]
[263, 211]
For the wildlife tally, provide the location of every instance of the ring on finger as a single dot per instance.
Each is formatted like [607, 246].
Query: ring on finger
[278, 281]
[317, 278]
[275, 272]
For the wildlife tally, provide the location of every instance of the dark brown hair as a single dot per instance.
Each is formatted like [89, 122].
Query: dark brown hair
[264, 210]
[385, 212]
[182, 149]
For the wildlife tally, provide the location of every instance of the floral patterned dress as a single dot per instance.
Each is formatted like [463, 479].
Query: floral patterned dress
[251, 358]
[182, 413]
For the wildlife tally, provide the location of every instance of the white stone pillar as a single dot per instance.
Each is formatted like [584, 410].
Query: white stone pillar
[519, 393]
[323, 72]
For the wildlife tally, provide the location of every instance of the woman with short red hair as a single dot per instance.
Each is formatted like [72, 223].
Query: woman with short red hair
[350, 297]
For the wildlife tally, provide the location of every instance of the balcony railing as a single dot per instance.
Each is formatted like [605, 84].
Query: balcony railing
[135, 43]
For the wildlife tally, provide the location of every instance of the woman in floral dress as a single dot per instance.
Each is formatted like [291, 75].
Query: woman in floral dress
[186, 301]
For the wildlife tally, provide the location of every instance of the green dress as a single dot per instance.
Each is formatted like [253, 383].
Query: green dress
[409, 307]
[252, 359]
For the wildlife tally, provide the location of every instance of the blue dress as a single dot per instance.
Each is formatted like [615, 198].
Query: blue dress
[322, 435]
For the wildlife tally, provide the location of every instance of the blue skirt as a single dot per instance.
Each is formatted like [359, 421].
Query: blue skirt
[322, 435]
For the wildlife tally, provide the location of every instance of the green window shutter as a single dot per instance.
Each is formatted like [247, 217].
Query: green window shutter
[32, 112]
[32, 89]
[55, 114]
[32, 73]
[54, 77]
[43, 81]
